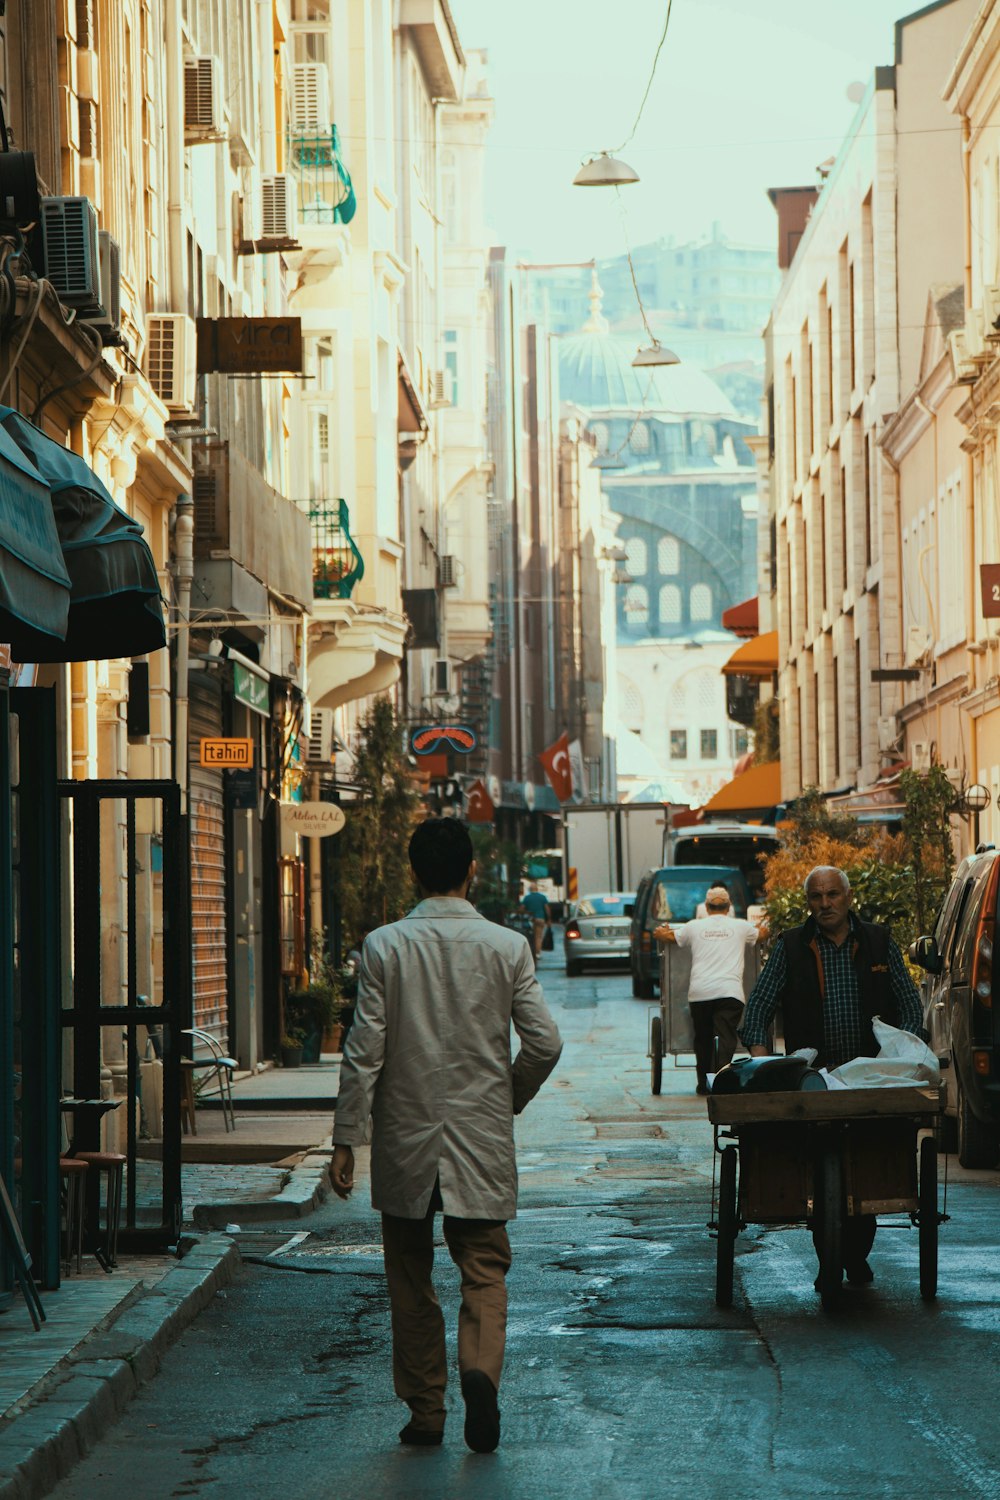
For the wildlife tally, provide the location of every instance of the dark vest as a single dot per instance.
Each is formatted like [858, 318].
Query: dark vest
[802, 996]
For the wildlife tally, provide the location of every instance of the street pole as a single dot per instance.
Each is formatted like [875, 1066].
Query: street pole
[184, 575]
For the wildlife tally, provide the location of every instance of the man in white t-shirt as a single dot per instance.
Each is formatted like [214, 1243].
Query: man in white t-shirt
[718, 944]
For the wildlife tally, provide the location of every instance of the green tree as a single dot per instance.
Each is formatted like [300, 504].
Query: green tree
[930, 799]
[499, 866]
[376, 885]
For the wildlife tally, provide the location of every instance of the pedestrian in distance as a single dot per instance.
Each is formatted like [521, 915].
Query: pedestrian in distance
[831, 977]
[717, 944]
[537, 908]
[429, 1062]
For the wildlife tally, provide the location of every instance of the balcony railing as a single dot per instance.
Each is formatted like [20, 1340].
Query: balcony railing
[326, 194]
[337, 563]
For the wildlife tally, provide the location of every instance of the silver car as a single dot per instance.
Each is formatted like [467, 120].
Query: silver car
[597, 930]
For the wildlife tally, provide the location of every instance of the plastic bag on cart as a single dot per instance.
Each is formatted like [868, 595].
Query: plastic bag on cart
[903, 1060]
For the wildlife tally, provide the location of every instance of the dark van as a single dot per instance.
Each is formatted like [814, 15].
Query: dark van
[960, 1012]
[673, 894]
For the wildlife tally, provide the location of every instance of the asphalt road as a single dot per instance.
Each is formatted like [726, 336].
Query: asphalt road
[623, 1379]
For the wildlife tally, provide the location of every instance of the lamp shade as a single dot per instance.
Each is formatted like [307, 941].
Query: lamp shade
[608, 461]
[655, 354]
[605, 171]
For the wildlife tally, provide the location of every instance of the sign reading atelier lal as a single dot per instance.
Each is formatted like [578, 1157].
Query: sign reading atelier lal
[250, 346]
[431, 739]
[226, 755]
[313, 820]
[989, 580]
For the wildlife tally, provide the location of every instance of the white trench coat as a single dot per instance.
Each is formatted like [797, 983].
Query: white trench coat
[429, 1059]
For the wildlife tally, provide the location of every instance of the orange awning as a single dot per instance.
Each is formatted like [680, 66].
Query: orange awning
[759, 787]
[755, 658]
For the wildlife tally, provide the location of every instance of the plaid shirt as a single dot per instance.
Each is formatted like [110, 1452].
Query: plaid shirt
[843, 1023]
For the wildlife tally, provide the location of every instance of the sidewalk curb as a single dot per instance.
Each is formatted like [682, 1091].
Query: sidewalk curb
[306, 1188]
[88, 1391]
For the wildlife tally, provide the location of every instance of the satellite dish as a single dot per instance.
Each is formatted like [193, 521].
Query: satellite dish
[856, 92]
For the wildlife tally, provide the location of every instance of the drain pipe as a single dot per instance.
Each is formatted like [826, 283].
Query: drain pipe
[172, 137]
[183, 576]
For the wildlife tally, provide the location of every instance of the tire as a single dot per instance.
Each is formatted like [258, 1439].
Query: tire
[656, 1055]
[831, 1229]
[573, 970]
[978, 1144]
[642, 988]
[927, 1218]
[725, 1250]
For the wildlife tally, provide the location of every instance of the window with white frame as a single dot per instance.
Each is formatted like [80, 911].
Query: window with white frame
[670, 604]
[636, 607]
[701, 602]
[668, 556]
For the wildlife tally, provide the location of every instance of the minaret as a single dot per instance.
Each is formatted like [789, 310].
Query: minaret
[597, 322]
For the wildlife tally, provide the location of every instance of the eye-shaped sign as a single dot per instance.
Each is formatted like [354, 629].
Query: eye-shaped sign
[433, 739]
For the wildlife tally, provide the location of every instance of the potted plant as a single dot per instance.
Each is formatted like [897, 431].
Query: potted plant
[314, 1011]
[291, 1049]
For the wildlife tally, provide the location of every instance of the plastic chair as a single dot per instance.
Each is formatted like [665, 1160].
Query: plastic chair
[218, 1063]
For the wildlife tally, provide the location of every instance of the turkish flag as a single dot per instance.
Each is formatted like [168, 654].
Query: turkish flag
[557, 767]
[478, 806]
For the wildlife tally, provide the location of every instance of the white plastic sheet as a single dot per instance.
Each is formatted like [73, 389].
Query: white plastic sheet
[903, 1061]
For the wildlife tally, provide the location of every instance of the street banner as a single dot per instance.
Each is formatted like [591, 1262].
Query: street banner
[478, 804]
[557, 767]
[577, 771]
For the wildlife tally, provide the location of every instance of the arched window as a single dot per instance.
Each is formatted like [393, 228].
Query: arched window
[668, 556]
[635, 556]
[701, 602]
[636, 607]
[633, 710]
[600, 432]
[670, 604]
[639, 441]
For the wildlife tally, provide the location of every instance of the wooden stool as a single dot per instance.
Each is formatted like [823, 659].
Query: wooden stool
[74, 1174]
[114, 1165]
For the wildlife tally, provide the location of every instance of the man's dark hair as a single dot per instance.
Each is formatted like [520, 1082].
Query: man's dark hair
[441, 853]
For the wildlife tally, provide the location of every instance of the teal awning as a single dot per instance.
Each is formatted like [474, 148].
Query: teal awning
[34, 583]
[113, 606]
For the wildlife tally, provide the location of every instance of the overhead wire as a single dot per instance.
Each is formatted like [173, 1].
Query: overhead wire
[652, 75]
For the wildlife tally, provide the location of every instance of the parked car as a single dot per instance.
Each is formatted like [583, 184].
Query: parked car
[673, 894]
[962, 1022]
[597, 930]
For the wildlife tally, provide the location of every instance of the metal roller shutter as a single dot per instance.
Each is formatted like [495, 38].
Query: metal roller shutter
[208, 864]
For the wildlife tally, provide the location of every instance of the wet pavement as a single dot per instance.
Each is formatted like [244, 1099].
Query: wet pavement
[623, 1378]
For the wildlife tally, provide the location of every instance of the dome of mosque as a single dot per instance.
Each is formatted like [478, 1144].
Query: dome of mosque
[596, 373]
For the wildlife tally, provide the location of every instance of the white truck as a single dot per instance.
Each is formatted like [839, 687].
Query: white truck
[742, 845]
[607, 846]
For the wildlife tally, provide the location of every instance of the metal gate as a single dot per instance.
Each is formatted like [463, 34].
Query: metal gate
[126, 887]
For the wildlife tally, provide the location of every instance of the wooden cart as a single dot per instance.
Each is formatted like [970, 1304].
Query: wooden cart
[816, 1158]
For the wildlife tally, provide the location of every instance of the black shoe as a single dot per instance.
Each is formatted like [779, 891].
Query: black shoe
[859, 1273]
[482, 1414]
[421, 1437]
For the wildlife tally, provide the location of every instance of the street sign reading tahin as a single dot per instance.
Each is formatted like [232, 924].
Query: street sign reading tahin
[226, 754]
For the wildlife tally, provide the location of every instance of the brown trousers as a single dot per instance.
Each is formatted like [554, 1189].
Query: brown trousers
[481, 1251]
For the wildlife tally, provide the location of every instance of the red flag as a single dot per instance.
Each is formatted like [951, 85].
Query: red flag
[557, 768]
[478, 806]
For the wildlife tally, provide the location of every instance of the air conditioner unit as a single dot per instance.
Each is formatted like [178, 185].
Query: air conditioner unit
[920, 755]
[310, 98]
[975, 345]
[888, 734]
[440, 386]
[991, 312]
[965, 369]
[918, 646]
[71, 253]
[447, 572]
[108, 318]
[277, 207]
[202, 100]
[170, 359]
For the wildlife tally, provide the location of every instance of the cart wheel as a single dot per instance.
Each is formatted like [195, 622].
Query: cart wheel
[927, 1218]
[726, 1244]
[656, 1049]
[831, 1224]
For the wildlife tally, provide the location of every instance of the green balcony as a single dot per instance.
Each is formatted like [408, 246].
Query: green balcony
[326, 194]
[337, 563]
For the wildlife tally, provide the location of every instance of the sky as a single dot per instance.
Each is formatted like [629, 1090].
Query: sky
[748, 94]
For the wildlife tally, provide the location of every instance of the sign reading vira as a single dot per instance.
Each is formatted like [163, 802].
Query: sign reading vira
[434, 739]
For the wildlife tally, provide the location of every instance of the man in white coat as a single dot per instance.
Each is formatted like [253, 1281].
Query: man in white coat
[429, 1060]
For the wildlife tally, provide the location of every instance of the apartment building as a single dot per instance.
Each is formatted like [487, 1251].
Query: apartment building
[844, 346]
